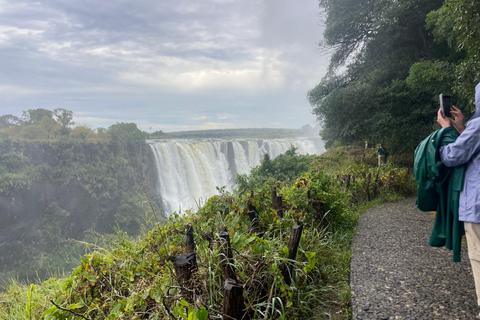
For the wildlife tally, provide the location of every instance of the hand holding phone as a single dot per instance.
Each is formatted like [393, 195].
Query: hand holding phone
[445, 105]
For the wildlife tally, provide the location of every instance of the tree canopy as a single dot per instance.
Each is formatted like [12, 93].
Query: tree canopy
[390, 61]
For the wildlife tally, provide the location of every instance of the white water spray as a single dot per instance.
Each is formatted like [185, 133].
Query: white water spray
[190, 170]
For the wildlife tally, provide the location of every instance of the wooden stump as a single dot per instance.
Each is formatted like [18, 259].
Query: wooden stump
[185, 266]
[273, 196]
[254, 226]
[209, 237]
[367, 186]
[226, 257]
[279, 206]
[347, 181]
[189, 241]
[233, 303]
[390, 178]
[293, 244]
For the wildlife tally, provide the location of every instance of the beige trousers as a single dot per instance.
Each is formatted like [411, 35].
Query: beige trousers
[472, 233]
[381, 159]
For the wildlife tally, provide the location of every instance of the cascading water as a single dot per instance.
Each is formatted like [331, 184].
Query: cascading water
[190, 170]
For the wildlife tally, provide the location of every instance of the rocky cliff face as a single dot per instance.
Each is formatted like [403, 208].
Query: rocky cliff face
[53, 192]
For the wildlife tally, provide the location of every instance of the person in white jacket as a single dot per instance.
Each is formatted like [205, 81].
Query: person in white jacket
[466, 150]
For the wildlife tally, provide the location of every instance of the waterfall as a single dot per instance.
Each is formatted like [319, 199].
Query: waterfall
[190, 170]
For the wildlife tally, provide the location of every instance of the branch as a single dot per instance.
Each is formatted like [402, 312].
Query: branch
[270, 299]
[71, 311]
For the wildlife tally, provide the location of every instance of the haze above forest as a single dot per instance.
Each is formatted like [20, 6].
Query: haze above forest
[171, 66]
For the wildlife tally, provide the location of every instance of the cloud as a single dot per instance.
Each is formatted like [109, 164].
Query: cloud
[168, 62]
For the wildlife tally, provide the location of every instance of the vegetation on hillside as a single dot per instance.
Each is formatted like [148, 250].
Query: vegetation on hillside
[390, 61]
[135, 279]
[60, 185]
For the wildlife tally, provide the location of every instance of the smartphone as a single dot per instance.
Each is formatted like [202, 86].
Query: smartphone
[445, 105]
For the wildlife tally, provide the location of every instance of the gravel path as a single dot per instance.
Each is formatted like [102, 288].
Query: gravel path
[395, 274]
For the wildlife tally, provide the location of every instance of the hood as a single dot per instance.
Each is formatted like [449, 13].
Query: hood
[477, 102]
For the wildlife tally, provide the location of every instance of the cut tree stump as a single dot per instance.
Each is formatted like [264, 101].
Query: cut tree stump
[189, 241]
[279, 206]
[233, 303]
[185, 266]
[273, 196]
[226, 257]
[293, 244]
[254, 225]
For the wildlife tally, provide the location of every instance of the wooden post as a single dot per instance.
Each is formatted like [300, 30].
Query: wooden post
[375, 186]
[209, 237]
[347, 181]
[367, 186]
[390, 178]
[253, 215]
[294, 240]
[273, 195]
[279, 206]
[233, 303]
[226, 257]
[293, 244]
[189, 241]
[353, 179]
[185, 266]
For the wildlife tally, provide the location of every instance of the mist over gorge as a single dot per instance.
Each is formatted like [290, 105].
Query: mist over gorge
[55, 193]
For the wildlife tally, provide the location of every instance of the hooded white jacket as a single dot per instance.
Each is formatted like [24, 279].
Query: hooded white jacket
[466, 149]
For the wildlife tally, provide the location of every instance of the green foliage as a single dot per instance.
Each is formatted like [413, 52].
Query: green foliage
[394, 68]
[64, 118]
[126, 136]
[34, 116]
[134, 279]
[8, 120]
[132, 212]
[457, 23]
[285, 167]
[34, 132]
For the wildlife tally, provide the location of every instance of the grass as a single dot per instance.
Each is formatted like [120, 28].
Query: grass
[135, 279]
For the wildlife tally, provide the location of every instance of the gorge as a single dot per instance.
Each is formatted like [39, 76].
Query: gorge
[54, 194]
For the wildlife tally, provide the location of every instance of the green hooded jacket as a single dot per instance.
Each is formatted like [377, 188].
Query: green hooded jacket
[439, 189]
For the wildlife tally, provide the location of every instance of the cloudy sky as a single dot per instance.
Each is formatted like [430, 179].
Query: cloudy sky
[167, 65]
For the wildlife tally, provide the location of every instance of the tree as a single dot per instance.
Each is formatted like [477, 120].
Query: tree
[457, 23]
[49, 125]
[126, 136]
[34, 116]
[376, 43]
[34, 132]
[64, 117]
[82, 133]
[8, 120]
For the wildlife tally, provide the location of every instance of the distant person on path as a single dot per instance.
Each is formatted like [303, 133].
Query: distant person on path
[382, 155]
[466, 150]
